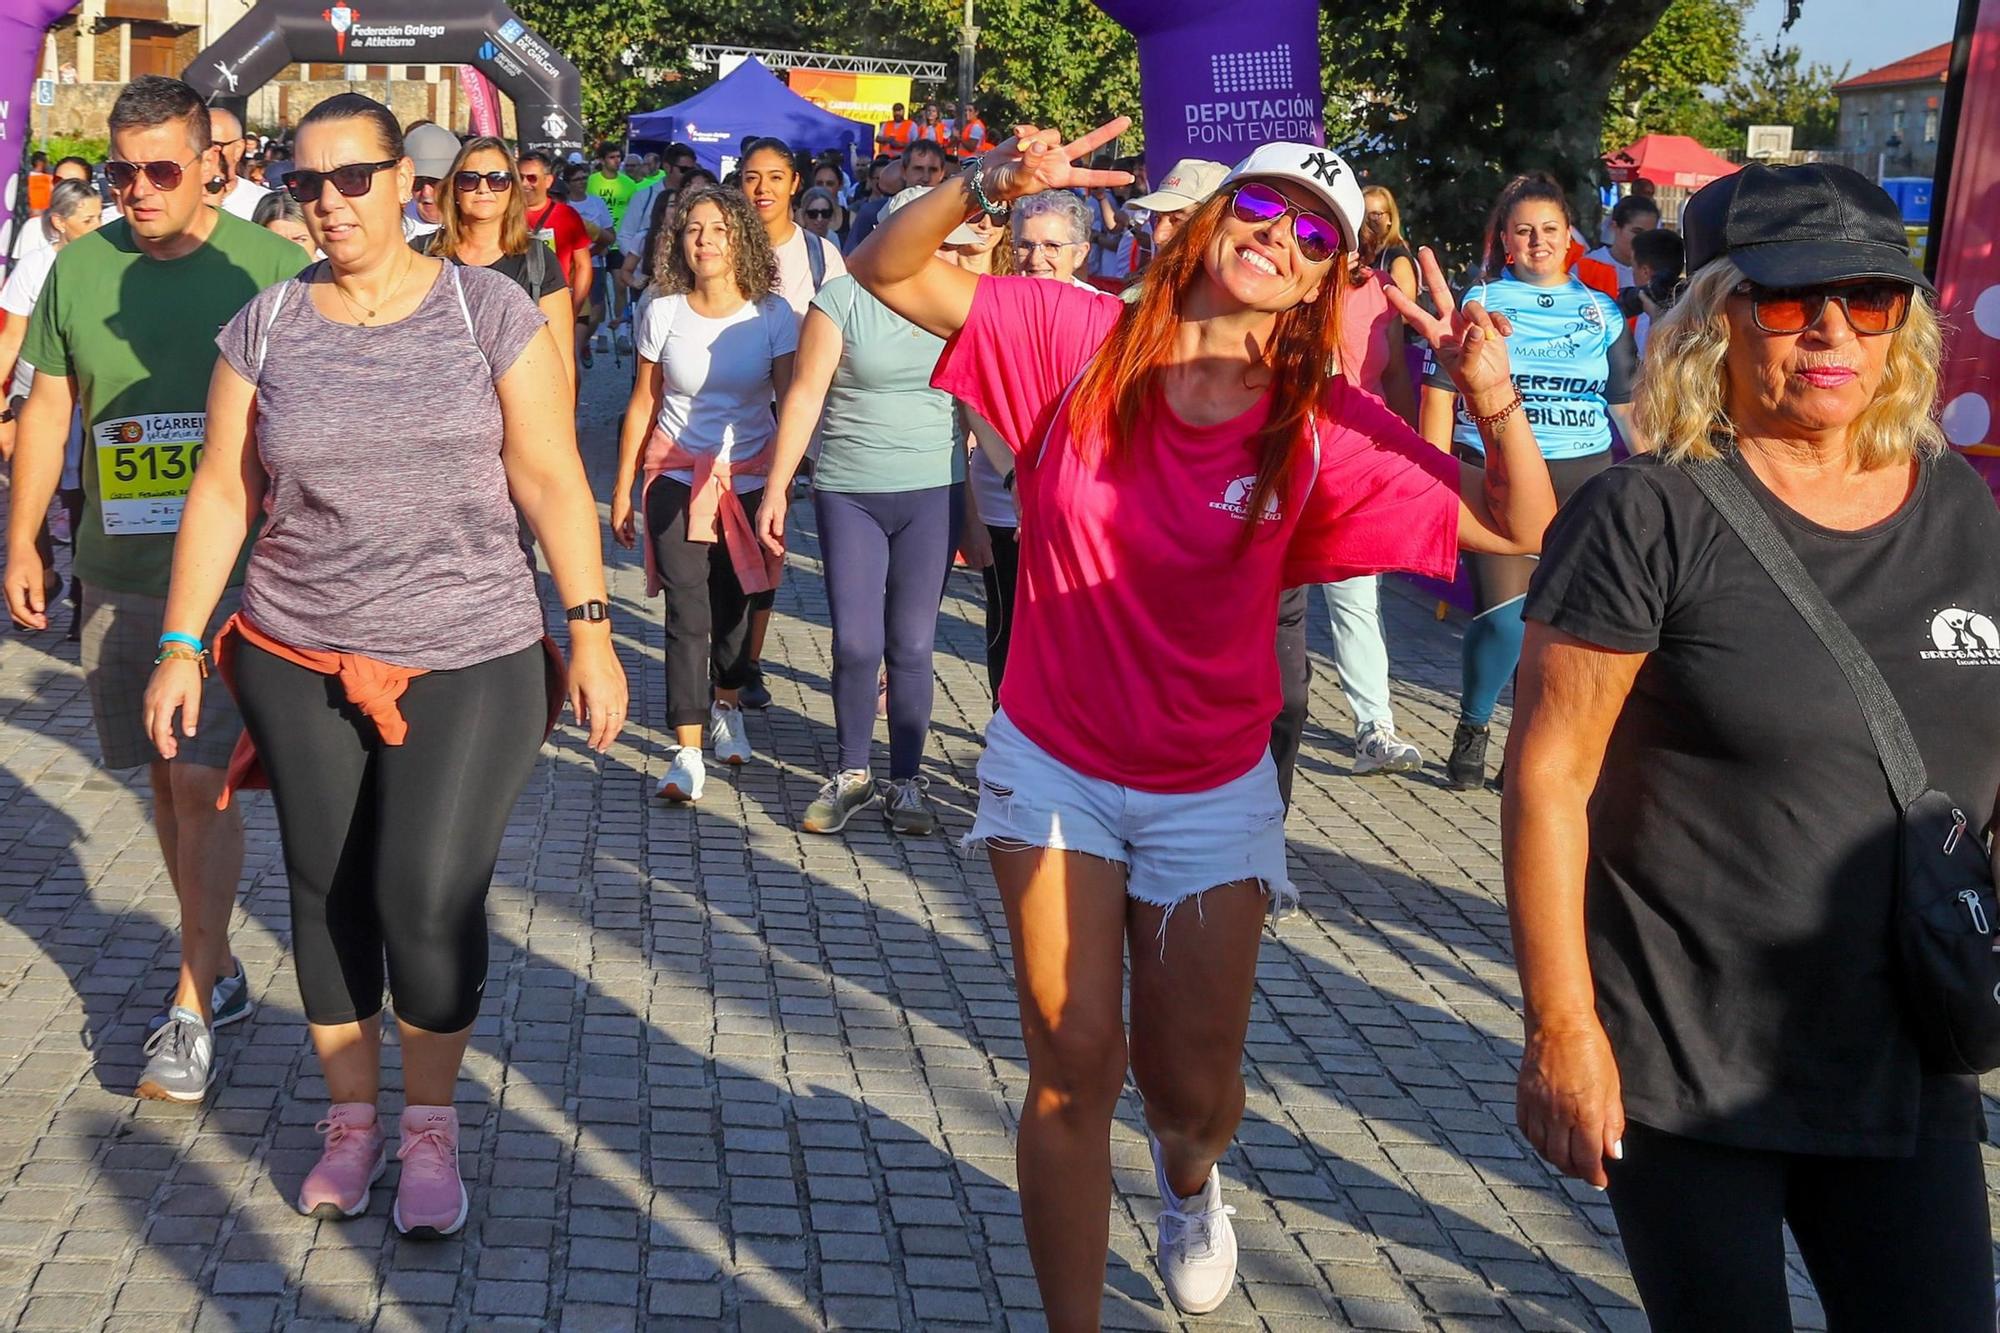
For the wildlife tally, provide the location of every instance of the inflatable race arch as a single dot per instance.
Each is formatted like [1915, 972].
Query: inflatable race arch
[485, 34]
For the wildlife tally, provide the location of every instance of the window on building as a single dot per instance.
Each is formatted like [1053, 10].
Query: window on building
[1861, 124]
[1896, 122]
[1930, 126]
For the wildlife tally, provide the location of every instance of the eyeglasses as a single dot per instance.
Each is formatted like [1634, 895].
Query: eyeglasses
[418, 184]
[352, 180]
[1033, 248]
[1318, 239]
[819, 212]
[1871, 307]
[498, 182]
[164, 175]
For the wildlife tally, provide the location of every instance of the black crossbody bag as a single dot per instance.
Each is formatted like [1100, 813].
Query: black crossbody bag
[1942, 924]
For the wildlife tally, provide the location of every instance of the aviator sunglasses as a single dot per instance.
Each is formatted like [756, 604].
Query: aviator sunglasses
[1871, 307]
[164, 175]
[499, 182]
[1318, 238]
[352, 180]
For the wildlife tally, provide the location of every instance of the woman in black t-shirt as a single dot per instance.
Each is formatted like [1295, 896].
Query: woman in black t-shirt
[484, 224]
[1701, 846]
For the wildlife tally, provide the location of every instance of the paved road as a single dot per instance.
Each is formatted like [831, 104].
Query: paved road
[728, 1076]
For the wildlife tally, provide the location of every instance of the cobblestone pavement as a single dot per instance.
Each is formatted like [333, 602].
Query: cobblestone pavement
[729, 1076]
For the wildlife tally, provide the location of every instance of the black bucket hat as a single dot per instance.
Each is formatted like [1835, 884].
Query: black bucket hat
[1799, 226]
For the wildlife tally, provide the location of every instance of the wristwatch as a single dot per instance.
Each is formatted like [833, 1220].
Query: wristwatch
[592, 611]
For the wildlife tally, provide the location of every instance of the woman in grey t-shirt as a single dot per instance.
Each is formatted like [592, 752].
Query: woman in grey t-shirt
[387, 412]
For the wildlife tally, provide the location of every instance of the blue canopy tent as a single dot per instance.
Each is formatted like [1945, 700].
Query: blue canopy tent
[748, 101]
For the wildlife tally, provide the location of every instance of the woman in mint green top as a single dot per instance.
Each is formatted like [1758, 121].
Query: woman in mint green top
[888, 492]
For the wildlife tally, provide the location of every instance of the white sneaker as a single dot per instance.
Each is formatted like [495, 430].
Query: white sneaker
[624, 337]
[603, 340]
[1197, 1254]
[727, 734]
[685, 775]
[1378, 749]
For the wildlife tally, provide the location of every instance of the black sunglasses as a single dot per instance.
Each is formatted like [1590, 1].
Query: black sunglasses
[819, 212]
[499, 182]
[164, 175]
[353, 180]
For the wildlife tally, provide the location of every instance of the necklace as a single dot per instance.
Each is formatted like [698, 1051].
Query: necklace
[362, 314]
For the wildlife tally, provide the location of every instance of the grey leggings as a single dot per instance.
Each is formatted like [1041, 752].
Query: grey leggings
[887, 554]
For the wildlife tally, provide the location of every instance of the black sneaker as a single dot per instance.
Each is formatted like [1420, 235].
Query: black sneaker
[754, 694]
[1466, 769]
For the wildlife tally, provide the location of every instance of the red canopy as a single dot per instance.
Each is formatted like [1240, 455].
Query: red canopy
[1668, 159]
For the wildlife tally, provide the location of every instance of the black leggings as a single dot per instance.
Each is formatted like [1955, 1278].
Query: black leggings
[1499, 579]
[708, 613]
[392, 847]
[1000, 577]
[1891, 1243]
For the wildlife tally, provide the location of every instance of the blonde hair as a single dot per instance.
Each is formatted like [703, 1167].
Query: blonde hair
[452, 227]
[1682, 398]
[1372, 246]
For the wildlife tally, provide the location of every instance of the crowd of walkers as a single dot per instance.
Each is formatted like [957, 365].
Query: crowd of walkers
[1153, 418]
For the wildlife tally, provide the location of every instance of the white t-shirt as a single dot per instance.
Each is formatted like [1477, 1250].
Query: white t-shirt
[414, 226]
[638, 218]
[1602, 254]
[243, 198]
[715, 376]
[598, 214]
[795, 281]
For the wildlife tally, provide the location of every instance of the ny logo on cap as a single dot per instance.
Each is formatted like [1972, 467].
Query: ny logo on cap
[1325, 166]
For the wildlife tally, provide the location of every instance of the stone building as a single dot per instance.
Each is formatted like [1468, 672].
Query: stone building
[1889, 116]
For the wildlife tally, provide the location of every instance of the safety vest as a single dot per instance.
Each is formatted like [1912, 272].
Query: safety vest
[939, 134]
[897, 132]
[972, 139]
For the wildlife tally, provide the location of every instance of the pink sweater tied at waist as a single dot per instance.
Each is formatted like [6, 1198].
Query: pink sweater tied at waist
[714, 511]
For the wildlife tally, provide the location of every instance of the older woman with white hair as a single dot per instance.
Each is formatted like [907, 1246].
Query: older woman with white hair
[1704, 860]
[1052, 236]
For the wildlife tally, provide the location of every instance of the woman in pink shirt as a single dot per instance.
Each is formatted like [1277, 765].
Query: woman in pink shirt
[1180, 460]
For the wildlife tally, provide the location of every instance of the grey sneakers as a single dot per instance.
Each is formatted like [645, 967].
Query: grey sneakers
[181, 1062]
[228, 1003]
[908, 811]
[843, 795]
[1197, 1252]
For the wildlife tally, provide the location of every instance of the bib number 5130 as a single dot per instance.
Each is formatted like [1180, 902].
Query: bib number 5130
[155, 462]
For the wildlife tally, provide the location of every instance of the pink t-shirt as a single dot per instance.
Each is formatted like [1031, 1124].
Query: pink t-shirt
[1365, 316]
[1145, 628]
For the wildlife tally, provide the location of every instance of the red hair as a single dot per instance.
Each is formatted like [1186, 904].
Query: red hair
[1301, 353]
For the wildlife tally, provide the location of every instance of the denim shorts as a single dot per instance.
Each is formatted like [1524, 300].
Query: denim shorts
[1173, 846]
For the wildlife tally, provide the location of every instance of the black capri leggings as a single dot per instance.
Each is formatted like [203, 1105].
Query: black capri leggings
[1891, 1243]
[1499, 579]
[391, 848]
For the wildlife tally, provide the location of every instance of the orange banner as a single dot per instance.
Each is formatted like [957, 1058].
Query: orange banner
[863, 97]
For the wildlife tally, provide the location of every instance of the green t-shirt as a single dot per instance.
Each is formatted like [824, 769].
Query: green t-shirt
[138, 336]
[616, 191]
[883, 428]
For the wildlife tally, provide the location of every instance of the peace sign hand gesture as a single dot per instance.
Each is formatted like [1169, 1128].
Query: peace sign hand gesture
[1037, 160]
[1468, 340]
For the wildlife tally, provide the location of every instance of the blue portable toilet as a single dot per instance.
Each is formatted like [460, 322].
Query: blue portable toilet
[1913, 196]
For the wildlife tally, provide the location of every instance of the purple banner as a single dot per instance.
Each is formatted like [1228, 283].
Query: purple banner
[22, 25]
[1219, 80]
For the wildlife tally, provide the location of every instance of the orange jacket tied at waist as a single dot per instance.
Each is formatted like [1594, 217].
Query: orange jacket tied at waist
[714, 510]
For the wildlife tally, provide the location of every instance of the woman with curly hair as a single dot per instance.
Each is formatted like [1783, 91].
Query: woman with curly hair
[715, 349]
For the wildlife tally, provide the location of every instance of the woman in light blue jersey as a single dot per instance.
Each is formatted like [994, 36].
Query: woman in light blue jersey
[1573, 363]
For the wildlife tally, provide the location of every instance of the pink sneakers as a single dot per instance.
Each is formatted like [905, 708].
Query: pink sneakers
[430, 1198]
[351, 1161]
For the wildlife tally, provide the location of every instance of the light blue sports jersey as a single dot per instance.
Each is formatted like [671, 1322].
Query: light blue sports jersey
[1563, 359]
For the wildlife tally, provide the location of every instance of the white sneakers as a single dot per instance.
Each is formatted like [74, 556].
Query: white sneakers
[1197, 1254]
[727, 734]
[686, 772]
[1378, 749]
[685, 775]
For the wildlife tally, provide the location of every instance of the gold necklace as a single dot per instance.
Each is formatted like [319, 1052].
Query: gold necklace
[362, 314]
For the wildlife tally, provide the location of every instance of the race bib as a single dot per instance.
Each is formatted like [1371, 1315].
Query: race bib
[547, 234]
[145, 465]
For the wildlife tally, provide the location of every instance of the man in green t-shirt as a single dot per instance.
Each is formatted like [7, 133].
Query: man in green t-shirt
[613, 186]
[126, 324]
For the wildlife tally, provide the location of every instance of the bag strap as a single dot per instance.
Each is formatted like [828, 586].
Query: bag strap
[816, 259]
[1894, 745]
[537, 266]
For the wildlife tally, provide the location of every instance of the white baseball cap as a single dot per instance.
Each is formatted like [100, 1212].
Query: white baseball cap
[963, 234]
[431, 150]
[1192, 180]
[1320, 170]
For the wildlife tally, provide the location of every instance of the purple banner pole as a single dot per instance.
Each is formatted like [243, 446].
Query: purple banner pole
[22, 26]
[1217, 81]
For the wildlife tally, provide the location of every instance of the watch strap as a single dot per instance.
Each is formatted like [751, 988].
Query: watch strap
[592, 611]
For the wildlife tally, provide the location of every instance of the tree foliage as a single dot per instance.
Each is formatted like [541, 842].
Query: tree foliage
[1663, 86]
[1462, 96]
[1776, 88]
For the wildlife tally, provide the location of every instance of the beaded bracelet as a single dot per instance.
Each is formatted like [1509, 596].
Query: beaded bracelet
[972, 187]
[1500, 417]
[176, 653]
